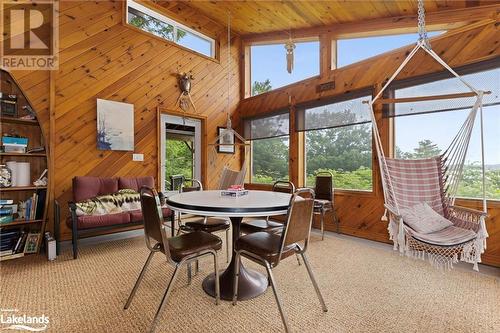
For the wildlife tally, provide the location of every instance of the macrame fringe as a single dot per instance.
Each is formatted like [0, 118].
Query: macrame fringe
[392, 227]
[469, 253]
[384, 217]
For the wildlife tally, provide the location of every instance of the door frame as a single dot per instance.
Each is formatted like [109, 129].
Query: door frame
[203, 135]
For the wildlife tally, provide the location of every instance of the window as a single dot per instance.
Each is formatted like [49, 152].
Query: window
[268, 65]
[270, 142]
[353, 50]
[159, 25]
[338, 138]
[425, 129]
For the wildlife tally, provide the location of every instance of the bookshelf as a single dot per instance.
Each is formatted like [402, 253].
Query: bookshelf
[39, 161]
[22, 188]
[24, 154]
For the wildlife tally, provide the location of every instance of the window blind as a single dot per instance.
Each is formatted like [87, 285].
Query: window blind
[486, 80]
[270, 126]
[346, 110]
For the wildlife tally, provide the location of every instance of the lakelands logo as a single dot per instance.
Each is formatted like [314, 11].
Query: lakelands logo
[30, 34]
[10, 319]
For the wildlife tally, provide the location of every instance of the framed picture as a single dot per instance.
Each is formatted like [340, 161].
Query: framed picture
[31, 245]
[228, 139]
[115, 125]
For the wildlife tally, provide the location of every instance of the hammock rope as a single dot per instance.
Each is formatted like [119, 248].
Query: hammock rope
[227, 173]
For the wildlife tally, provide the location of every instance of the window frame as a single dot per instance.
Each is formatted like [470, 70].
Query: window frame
[349, 95]
[151, 10]
[388, 110]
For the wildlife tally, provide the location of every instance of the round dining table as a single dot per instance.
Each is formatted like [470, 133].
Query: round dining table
[255, 204]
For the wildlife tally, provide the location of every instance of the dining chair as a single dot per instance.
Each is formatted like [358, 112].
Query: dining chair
[267, 224]
[324, 197]
[268, 249]
[202, 223]
[178, 250]
[176, 182]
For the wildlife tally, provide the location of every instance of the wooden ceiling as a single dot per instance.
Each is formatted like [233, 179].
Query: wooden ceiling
[253, 17]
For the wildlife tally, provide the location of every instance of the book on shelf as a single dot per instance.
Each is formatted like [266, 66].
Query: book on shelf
[19, 247]
[6, 214]
[28, 210]
[6, 201]
[40, 203]
[6, 252]
[12, 256]
[12, 242]
[8, 241]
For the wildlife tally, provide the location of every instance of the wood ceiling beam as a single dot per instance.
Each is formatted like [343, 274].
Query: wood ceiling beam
[441, 20]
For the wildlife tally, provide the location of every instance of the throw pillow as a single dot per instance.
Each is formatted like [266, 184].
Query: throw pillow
[423, 219]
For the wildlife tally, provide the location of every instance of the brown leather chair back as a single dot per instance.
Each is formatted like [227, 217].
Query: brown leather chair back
[283, 186]
[324, 186]
[299, 220]
[153, 220]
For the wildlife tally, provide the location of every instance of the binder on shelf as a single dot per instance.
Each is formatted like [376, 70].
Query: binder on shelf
[40, 203]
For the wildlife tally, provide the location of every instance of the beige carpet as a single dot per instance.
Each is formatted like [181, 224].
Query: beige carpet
[366, 289]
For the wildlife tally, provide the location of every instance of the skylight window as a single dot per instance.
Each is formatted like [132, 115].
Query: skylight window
[350, 51]
[153, 22]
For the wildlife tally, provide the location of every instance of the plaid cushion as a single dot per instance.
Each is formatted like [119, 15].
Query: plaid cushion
[417, 181]
[446, 237]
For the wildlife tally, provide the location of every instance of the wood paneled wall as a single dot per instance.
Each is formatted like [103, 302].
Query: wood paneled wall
[360, 212]
[102, 58]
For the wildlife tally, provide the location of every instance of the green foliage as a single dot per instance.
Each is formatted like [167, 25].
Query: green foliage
[179, 159]
[343, 149]
[261, 87]
[270, 162]
[360, 179]
[471, 185]
[426, 148]
[154, 26]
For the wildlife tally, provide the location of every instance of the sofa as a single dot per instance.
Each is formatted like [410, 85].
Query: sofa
[85, 187]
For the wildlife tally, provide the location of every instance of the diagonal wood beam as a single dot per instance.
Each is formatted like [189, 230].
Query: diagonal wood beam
[441, 20]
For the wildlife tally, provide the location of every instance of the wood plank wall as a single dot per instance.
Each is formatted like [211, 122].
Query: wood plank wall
[359, 213]
[102, 58]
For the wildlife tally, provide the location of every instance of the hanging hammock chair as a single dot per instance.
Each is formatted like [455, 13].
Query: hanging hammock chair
[412, 186]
